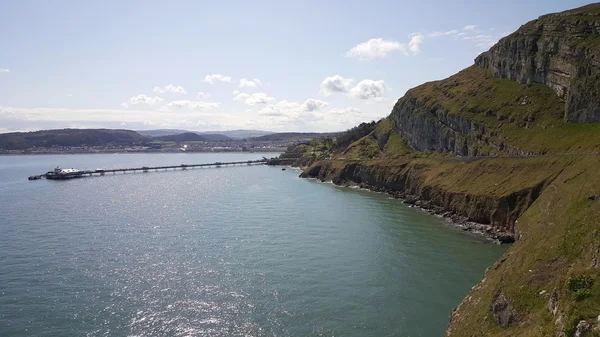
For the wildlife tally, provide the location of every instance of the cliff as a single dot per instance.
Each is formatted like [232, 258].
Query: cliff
[559, 50]
[458, 190]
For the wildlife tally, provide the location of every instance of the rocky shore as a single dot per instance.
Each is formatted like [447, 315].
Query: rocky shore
[498, 235]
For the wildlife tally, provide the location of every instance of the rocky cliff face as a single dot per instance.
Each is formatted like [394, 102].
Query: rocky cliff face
[429, 184]
[434, 128]
[559, 50]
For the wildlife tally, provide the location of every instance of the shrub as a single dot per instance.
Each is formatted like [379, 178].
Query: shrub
[581, 294]
[580, 282]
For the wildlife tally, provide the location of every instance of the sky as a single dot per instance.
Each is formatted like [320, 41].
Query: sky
[222, 65]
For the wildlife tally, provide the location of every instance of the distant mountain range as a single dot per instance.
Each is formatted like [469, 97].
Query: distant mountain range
[211, 135]
[294, 136]
[191, 137]
[102, 137]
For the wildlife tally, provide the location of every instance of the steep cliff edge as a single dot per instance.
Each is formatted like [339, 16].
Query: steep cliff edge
[463, 191]
[548, 283]
[559, 50]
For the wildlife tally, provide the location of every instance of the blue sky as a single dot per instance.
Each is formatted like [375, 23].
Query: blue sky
[219, 65]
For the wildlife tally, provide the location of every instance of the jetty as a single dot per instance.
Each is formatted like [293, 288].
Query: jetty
[62, 174]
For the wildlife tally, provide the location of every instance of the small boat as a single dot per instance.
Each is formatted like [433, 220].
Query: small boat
[283, 169]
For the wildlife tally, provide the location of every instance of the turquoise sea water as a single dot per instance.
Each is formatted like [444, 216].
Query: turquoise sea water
[239, 251]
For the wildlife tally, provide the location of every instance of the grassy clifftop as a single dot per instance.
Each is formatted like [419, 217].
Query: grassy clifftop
[474, 113]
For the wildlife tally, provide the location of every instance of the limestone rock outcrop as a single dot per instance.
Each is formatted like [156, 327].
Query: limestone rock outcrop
[559, 50]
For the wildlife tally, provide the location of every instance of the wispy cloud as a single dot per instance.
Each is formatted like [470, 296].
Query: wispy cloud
[217, 78]
[169, 88]
[4, 70]
[142, 99]
[246, 83]
[194, 105]
[259, 98]
[482, 39]
[446, 33]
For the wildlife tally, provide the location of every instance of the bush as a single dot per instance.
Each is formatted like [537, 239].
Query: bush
[580, 282]
[581, 294]
[580, 287]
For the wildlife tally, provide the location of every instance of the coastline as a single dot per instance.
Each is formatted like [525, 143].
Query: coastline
[453, 219]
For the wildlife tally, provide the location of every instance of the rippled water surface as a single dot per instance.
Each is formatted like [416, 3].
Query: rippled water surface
[239, 251]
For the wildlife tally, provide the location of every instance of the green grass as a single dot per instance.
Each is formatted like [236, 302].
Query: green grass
[528, 117]
[559, 237]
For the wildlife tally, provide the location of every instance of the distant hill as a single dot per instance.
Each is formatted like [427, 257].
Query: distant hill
[214, 136]
[239, 134]
[182, 137]
[160, 132]
[293, 136]
[192, 137]
[211, 135]
[69, 137]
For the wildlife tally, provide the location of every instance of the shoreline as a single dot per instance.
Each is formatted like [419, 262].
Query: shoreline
[454, 220]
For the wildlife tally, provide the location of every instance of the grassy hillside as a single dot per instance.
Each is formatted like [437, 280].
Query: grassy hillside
[69, 137]
[550, 279]
[526, 117]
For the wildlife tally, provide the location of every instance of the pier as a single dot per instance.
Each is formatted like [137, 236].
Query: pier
[70, 174]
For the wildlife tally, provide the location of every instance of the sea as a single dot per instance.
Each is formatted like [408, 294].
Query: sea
[230, 251]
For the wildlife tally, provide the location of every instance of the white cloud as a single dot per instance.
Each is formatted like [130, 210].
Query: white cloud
[241, 97]
[259, 98]
[369, 89]
[313, 105]
[246, 83]
[176, 89]
[4, 70]
[365, 89]
[202, 95]
[414, 45]
[345, 111]
[469, 27]
[217, 78]
[375, 48]
[235, 92]
[290, 109]
[142, 99]
[194, 105]
[335, 83]
[293, 113]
